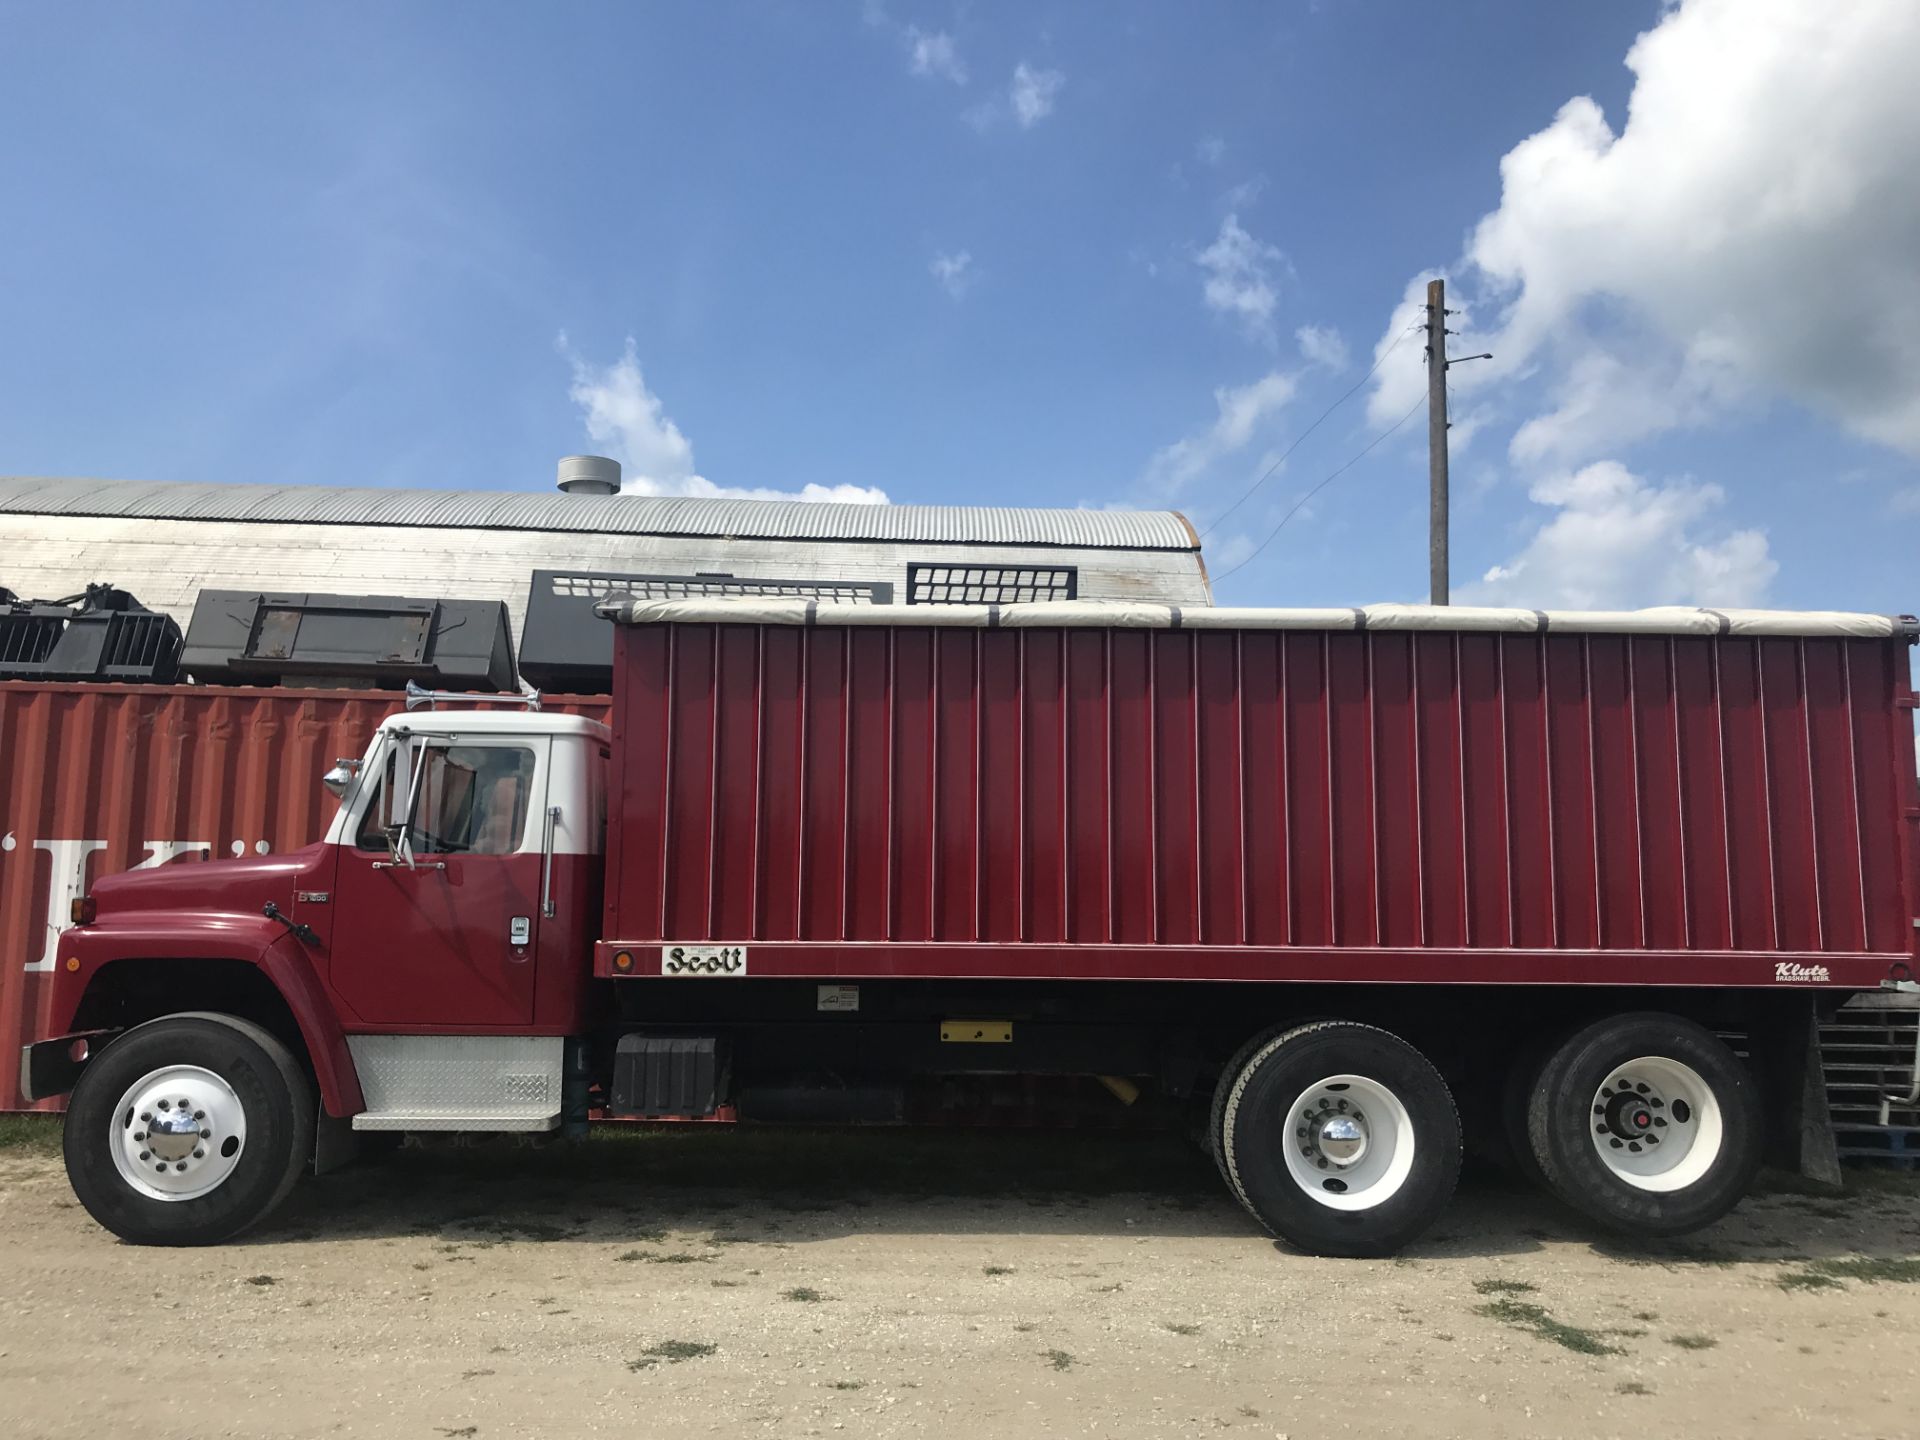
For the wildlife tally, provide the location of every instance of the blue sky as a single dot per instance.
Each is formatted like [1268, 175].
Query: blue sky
[1051, 254]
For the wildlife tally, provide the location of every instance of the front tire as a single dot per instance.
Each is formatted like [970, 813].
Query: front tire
[187, 1130]
[1341, 1139]
[1647, 1123]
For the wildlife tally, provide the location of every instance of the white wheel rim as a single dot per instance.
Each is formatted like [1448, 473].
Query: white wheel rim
[1349, 1142]
[1656, 1124]
[178, 1133]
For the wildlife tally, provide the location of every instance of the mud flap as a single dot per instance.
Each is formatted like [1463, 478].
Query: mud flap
[1785, 1049]
[335, 1142]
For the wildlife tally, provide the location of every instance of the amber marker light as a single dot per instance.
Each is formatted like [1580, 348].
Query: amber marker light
[623, 960]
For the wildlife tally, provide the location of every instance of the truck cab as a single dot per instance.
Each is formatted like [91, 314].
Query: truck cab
[419, 968]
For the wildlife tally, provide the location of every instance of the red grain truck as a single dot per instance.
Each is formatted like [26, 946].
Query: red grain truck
[1346, 882]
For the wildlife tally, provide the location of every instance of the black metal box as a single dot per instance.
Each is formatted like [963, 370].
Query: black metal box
[666, 1076]
[242, 638]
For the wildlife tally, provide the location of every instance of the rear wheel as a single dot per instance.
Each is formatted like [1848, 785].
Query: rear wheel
[187, 1130]
[1647, 1123]
[1341, 1139]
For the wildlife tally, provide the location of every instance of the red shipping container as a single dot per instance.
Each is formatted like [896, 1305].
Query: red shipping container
[1314, 803]
[96, 779]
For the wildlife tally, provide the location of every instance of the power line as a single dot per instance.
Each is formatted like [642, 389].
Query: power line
[1321, 486]
[1271, 469]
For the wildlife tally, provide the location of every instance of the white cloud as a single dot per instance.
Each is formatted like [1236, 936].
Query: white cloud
[1617, 542]
[1322, 345]
[1210, 150]
[1238, 277]
[626, 420]
[1239, 412]
[954, 272]
[1033, 93]
[934, 55]
[1752, 224]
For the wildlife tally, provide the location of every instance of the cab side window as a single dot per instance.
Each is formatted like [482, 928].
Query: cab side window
[473, 800]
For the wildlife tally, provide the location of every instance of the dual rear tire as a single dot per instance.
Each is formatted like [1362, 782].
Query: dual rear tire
[1339, 1138]
[1646, 1123]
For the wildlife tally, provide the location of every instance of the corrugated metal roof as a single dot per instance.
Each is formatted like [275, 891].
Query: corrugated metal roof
[597, 514]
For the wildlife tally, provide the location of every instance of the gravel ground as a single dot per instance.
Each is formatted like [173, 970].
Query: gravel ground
[886, 1284]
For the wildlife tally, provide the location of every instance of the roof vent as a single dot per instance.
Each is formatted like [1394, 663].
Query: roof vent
[590, 475]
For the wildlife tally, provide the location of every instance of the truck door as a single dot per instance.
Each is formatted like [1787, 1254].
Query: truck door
[443, 933]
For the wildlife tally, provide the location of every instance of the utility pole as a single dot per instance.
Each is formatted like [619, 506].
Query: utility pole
[1437, 438]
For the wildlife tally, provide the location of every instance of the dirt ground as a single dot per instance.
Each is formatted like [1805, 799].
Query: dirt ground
[886, 1284]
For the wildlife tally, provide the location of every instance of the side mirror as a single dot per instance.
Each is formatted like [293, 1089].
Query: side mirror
[341, 775]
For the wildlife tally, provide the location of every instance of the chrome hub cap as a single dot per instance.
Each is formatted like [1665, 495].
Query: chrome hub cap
[178, 1133]
[1350, 1143]
[1342, 1139]
[1656, 1124]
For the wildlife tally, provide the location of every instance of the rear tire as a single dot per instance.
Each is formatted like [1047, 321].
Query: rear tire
[1646, 1123]
[188, 1129]
[1341, 1139]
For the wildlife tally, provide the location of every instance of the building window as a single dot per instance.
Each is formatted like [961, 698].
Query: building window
[693, 587]
[990, 584]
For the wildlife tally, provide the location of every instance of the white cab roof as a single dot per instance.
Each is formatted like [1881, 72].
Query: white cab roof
[454, 721]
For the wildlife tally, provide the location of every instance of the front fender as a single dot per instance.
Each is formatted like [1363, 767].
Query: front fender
[214, 935]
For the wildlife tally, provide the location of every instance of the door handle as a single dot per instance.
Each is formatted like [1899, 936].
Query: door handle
[546, 862]
[424, 865]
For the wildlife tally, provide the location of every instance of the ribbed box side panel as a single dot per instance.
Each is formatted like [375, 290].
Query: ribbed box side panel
[1398, 791]
[95, 779]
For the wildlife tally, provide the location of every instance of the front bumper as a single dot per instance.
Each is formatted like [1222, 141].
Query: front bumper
[50, 1067]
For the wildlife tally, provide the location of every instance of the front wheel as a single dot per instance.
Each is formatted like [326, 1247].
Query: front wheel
[1647, 1123]
[1341, 1139]
[187, 1130]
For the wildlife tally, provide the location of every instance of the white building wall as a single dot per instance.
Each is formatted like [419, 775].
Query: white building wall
[166, 563]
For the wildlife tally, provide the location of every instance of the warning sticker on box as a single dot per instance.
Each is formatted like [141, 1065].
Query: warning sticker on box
[838, 997]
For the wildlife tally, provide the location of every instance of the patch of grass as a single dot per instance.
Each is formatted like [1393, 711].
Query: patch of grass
[1247, 1412]
[1829, 1274]
[1631, 1387]
[1442, 1335]
[1693, 1342]
[1806, 1280]
[1181, 1327]
[30, 1134]
[1106, 1289]
[1503, 1287]
[846, 1384]
[262, 1280]
[1903, 1271]
[725, 1284]
[1646, 1317]
[630, 1256]
[1026, 1327]
[670, 1352]
[538, 1230]
[474, 1374]
[996, 1270]
[1059, 1359]
[462, 1433]
[678, 1257]
[805, 1294]
[423, 1265]
[1536, 1321]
